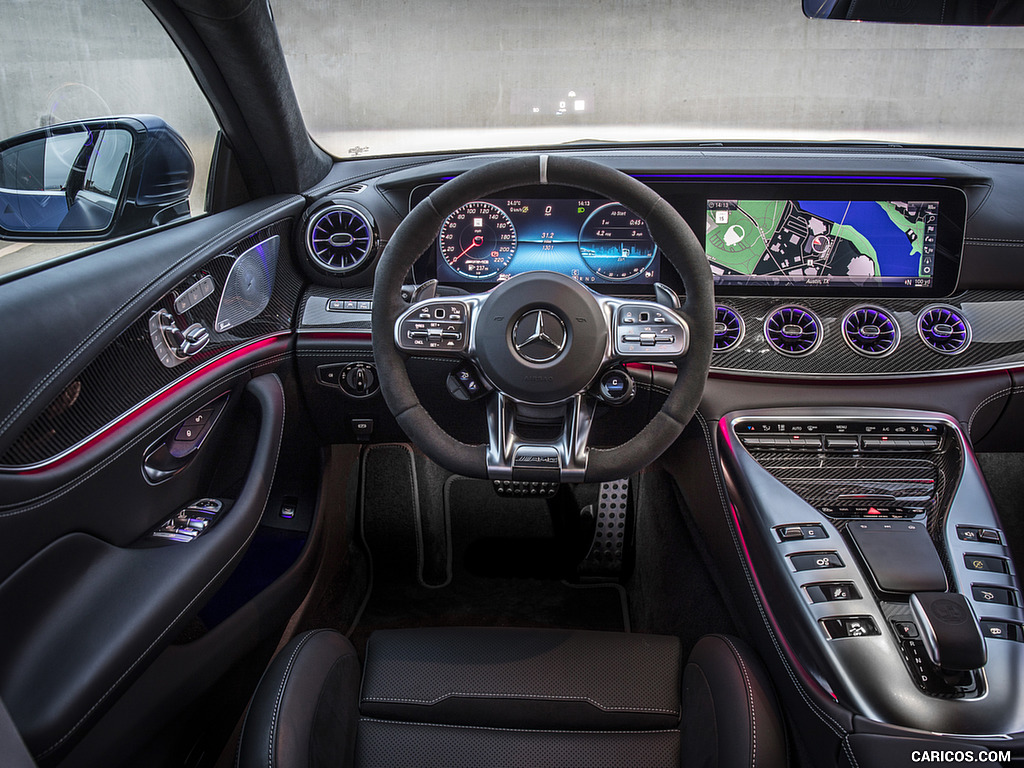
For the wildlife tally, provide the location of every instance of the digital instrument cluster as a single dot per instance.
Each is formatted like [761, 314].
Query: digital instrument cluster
[590, 240]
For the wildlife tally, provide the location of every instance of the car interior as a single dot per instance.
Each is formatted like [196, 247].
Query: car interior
[598, 453]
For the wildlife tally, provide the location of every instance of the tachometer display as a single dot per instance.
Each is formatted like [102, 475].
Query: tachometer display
[478, 240]
[615, 242]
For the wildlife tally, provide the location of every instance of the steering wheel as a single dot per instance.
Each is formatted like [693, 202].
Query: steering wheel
[541, 339]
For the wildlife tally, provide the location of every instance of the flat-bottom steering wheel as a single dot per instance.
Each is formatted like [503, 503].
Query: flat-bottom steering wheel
[541, 339]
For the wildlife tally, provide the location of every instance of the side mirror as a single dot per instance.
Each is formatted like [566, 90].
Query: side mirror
[93, 179]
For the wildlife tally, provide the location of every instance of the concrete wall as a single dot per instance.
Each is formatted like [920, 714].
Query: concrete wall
[378, 72]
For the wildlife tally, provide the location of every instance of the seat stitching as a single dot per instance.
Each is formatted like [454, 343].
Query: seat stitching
[280, 693]
[507, 730]
[319, 702]
[192, 602]
[750, 698]
[519, 696]
[849, 751]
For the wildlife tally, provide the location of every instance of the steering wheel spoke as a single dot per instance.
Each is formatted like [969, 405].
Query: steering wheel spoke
[438, 326]
[644, 331]
[538, 444]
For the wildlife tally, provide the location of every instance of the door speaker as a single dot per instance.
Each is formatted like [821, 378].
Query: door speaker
[249, 285]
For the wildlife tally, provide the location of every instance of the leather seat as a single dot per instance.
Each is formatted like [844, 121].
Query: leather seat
[483, 697]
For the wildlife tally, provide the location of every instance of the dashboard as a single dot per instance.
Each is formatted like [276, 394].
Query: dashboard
[835, 265]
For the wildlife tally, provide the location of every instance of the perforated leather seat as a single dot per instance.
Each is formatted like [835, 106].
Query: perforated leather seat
[512, 697]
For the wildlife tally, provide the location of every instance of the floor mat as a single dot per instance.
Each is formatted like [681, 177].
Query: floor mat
[505, 566]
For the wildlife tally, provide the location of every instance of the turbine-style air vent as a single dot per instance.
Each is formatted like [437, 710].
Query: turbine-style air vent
[340, 239]
[728, 328]
[792, 331]
[944, 329]
[871, 331]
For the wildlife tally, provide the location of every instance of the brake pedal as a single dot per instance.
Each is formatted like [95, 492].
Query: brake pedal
[608, 545]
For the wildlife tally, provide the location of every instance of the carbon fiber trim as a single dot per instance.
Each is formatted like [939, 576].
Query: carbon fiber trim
[820, 478]
[128, 371]
[996, 319]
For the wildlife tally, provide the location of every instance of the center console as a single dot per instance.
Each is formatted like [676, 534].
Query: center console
[880, 556]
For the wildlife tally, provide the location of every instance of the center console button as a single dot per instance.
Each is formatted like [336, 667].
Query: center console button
[791, 533]
[842, 443]
[835, 592]
[1000, 630]
[849, 626]
[813, 561]
[998, 595]
[906, 628]
[982, 563]
[989, 535]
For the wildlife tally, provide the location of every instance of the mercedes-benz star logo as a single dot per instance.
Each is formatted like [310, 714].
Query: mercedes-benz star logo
[539, 336]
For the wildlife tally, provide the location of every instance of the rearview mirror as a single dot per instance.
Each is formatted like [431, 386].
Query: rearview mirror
[93, 179]
[967, 13]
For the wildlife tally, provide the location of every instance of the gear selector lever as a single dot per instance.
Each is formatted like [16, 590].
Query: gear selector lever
[950, 630]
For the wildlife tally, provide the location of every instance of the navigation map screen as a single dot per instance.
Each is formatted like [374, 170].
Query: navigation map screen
[889, 243]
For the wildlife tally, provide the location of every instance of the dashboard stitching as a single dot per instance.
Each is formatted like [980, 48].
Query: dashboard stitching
[992, 241]
[199, 594]
[41, 501]
[989, 399]
[120, 312]
[829, 721]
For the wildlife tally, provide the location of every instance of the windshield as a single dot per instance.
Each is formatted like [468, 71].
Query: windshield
[390, 76]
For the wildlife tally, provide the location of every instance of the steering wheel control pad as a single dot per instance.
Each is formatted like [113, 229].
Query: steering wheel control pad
[437, 325]
[540, 337]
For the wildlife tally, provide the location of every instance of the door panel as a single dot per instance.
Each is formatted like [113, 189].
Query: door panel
[85, 607]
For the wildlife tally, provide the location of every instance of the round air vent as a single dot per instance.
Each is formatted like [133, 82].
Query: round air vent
[944, 329]
[340, 239]
[792, 331]
[871, 331]
[728, 328]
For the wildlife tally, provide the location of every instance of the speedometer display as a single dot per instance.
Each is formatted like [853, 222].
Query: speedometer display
[478, 240]
[615, 242]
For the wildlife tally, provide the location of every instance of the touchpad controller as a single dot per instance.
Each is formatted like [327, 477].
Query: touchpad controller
[900, 554]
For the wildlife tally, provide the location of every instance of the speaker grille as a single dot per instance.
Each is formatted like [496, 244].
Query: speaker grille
[249, 285]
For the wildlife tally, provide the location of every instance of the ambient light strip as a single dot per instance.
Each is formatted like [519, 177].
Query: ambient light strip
[147, 406]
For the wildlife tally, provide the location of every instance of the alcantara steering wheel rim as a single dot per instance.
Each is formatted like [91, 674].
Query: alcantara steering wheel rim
[677, 244]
